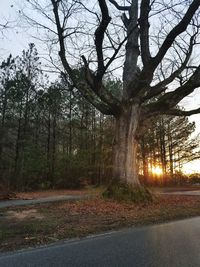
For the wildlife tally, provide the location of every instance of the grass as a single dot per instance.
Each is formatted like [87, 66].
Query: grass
[124, 192]
[30, 226]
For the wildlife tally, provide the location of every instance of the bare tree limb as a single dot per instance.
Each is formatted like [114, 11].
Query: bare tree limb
[177, 112]
[144, 31]
[62, 52]
[99, 37]
[132, 51]
[94, 99]
[115, 53]
[122, 8]
[174, 97]
[180, 28]
[169, 100]
[161, 86]
[102, 98]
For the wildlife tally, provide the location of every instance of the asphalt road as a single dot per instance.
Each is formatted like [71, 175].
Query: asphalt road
[174, 244]
[184, 193]
[22, 202]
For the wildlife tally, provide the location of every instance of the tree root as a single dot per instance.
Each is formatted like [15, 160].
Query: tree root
[124, 192]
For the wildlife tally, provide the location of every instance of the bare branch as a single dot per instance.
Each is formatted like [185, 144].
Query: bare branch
[174, 97]
[177, 112]
[62, 52]
[115, 53]
[102, 98]
[94, 99]
[99, 37]
[180, 28]
[144, 31]
[161, 86]
[132, 51]
[122, 8]
[171, 99]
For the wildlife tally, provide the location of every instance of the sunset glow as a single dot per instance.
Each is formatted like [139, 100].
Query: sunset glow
[191, 167]
[156, 170]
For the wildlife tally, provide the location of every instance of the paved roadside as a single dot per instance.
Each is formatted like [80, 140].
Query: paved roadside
[184, 193]
[174, 244]
[22, 202]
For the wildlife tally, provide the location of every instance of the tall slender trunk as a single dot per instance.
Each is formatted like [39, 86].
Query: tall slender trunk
[53, 159]
[70, 124]
[171, 161]
[162, 146]
[170, 147]
[93, 154]
[2, 130]
[125, 147]
[17, 181]
[100, 149]
[144, 158]
[48, 145]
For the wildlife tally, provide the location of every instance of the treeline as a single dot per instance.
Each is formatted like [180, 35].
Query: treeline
[167, 143]
[51, 137]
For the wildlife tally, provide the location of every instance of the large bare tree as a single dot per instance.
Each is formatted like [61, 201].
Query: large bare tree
[154, 40]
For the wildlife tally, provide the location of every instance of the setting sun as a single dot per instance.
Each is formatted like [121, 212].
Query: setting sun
[157, 170]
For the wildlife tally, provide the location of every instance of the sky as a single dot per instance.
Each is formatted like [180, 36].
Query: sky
[15, 40]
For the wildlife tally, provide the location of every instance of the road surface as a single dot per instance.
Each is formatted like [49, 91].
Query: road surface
[184, 193]
[175, 244]
[22, 202]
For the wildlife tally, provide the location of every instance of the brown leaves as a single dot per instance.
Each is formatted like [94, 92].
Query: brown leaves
[101, 207]
[77, 219]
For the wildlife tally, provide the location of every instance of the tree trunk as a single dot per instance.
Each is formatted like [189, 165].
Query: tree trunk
[125, 147]
[144, 158]
[49, 146]
[70, 124]
[17, 177]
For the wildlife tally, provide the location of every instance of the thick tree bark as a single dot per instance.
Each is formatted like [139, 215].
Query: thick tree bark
[125, 147]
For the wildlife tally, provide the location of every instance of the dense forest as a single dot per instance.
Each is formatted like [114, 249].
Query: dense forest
[51, 137]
